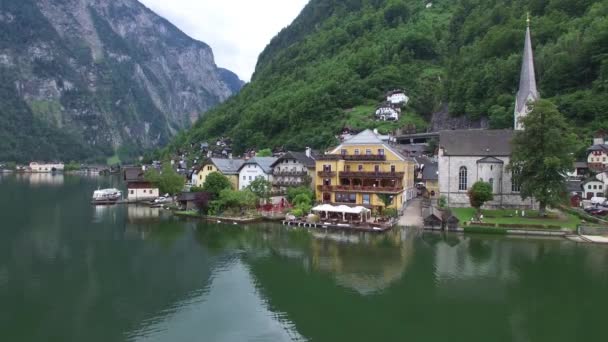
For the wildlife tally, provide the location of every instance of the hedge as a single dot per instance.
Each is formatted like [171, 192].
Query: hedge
[485, 230]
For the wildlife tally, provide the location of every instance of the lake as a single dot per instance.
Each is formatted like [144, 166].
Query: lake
[70, 271]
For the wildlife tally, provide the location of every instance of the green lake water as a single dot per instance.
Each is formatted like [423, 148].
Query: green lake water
[70, 271]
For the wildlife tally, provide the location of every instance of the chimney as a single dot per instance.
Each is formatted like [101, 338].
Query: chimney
[308, 152]
[143, 167]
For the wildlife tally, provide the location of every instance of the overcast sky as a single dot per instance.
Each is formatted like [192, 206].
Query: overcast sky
[236, 30]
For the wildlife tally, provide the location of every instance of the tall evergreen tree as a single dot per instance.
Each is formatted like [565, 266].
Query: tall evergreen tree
[542, 154]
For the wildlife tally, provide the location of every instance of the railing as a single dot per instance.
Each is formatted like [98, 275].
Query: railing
[326, 173]
[289, 173]
[360, 188]
[372, 157]
[287, 183]
[377, 175]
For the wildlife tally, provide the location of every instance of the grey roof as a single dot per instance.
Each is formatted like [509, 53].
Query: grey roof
[228, 166]
[581, 165]
[301, 157]
[476, 142]
[264, 162]
[133, 174]
[429, 172]
[574, 186]
[527, 79]
[599, 147]
[490, 160]
[366, 137]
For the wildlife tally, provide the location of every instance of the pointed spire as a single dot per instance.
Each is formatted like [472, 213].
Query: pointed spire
[527, 80]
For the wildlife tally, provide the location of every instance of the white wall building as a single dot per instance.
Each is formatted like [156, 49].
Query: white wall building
[46, 167]
[397, 97]
[468, 156]
[254, 168]
[387, 113]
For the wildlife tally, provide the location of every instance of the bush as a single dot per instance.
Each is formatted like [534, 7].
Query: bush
[390, 212]
[297, 212]
[313, 218]
[442, 202]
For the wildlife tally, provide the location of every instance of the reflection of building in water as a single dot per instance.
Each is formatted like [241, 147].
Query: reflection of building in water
[42, 178]
[139, 213]
[367, 264]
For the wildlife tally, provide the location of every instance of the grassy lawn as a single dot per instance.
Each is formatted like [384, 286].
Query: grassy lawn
[508, 217]
[362, 117]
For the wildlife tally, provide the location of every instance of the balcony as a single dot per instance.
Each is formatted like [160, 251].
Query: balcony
[326, 174]
[360, 188]
[374, 175]
[287, 183]
[289, 173]
[355, 157]
[597, 167]
[372, 157]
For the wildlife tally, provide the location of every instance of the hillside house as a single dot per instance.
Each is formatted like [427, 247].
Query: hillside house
[225, 166]
[293, 169]
[387, 112]
[254, 168]
[397, 97]
[597, 154]
[593, 187]
[363, 171]
[138, 189]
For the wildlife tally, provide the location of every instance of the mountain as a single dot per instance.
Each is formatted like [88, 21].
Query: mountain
[83, 79]
[457, 58]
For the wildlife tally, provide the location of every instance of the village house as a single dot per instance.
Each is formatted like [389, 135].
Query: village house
[254, 168]
[597, 154]
[227, 167]
[427, 174]
[138, 189]
[387, 112]
[397, 97]
[592, 187]
[360, 170]
[46, 167]
[293, 169]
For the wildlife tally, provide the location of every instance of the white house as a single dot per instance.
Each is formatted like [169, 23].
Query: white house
[293, 169]
[254, 168]
[387, 112]
[46, 167]
[138, 189]
[593, 187]
[597, 154]
[397, 97]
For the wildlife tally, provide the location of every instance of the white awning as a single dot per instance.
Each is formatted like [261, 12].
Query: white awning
[341, 209]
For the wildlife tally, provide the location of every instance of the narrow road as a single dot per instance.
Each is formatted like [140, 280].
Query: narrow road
[412, 216]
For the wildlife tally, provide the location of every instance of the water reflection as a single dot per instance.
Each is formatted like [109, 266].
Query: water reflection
[38, 179]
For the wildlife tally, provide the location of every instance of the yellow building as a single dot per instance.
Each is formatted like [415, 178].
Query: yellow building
[361, 169]
[227, 167]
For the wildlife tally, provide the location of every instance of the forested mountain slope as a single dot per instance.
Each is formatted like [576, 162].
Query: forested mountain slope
[337, 59]
[83, 79]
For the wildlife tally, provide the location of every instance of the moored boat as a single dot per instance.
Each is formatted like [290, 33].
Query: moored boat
[106, 196]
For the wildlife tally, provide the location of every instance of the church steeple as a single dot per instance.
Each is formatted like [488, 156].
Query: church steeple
[527, 82]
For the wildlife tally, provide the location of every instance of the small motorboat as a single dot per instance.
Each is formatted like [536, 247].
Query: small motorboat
[106, 196]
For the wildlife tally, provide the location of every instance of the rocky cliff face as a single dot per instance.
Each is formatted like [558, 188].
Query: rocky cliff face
[105, 73]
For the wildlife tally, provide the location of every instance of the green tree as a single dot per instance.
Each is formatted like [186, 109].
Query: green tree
[386, 199]
[261, 187]
[266, 152]
[292, 193]
[168, 180]
[234, 199]
[480, 193]
[542, 155]
[215, 183]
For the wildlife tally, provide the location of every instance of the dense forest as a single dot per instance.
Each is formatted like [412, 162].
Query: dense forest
[338, 58]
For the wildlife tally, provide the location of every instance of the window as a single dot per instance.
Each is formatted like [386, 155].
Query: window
[249, 177]
[462, 178]
[144, 191]
[515, 187]
[492, 184]
[599, 187]
[376, 168]
[326, 168]
[589, 187]
[244, 177]
[343, 152]
[491, 167]
[346, 197]
[381, 151]
[347, 168]
[368, 152]
[327, 182]
[393, 168]
[132, 192]
[356, 151]
[595, 187]
[360, 168]
[366, 199]
[209, 168]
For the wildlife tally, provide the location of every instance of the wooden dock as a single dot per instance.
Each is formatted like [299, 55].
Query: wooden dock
[338, 226]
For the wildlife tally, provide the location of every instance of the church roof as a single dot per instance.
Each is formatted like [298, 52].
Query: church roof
[476, 142]
[527, 79]
[490, 160]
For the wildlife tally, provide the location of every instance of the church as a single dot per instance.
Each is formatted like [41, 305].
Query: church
[468, 156]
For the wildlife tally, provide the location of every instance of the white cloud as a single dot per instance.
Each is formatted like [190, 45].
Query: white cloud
[236, 30]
